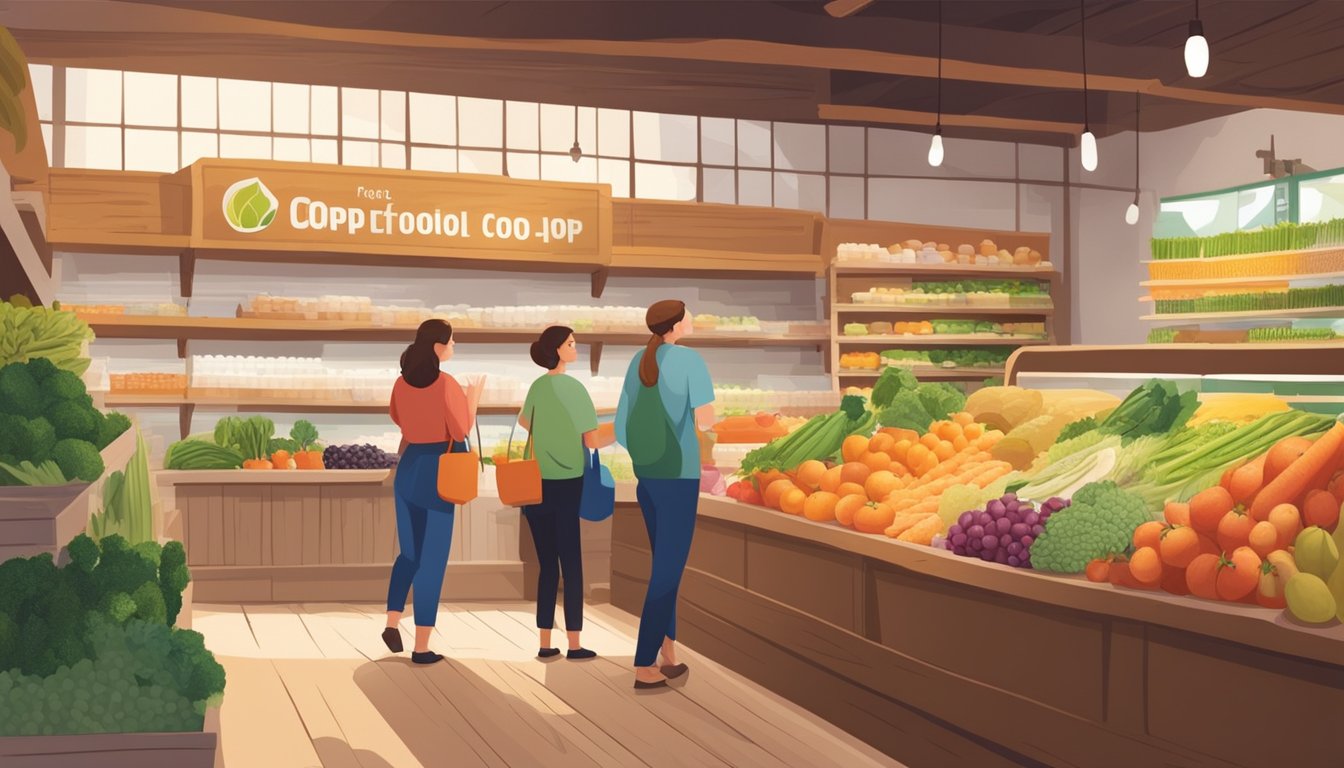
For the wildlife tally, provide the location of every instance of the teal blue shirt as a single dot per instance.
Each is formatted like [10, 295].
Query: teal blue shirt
[684, 384]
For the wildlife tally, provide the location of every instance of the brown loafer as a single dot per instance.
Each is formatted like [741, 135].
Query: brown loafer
[674, 671]
[640, 685]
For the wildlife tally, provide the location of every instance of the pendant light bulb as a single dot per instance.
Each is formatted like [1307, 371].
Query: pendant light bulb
[1132, 213]
[575, 152]
[1088, 151]
[936, 148]
[1196, 50]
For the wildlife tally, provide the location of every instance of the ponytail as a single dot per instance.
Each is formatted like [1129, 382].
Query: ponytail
[661, 318]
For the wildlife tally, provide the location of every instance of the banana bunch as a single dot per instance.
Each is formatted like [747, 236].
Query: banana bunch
[13, 79]
[28, 332]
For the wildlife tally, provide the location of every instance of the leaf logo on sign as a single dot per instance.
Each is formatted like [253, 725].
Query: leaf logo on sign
[249, 206]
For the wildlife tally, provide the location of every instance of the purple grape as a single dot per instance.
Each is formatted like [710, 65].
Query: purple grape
[1037, 530]
[986, 555]
[961, 551]
[959, 539]
[1031, 518]
[1001, 557]
[954, 530]
[1003, 525]
[989, 543]
[1013, 561]
[1020, 530]
[966, 520]
[983, 518]
[996, 508]
[1005, 540]
[976, 531]
[1013, 518]
[1015, 548]
[1027, 541]
[1011, 506]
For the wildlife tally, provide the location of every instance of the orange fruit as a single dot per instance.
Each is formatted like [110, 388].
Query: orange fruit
[963, 418]
[900, 449]
[851, 489]
[853, 448]
[831, 480]
[874, 518]
[919, 453]
[949, 431]
[847, 506]
[792, 501]
[854, 472]
[820, 506]
[973, 431]
[877, 462]
[881, 443]
[1264, 538]
[944, 451]
[880, 485]
[930, 440]
[1148, 535]
[775, 490]
[960, 443]
[810, 473]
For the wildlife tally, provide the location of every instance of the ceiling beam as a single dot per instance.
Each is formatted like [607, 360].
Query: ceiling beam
[842, 8]
[859, 114]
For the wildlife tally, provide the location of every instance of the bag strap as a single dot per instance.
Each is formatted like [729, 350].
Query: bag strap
[531, 429]
[480, 455]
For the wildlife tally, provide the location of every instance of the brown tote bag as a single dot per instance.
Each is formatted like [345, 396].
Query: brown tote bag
[519, 481]
[459, 472]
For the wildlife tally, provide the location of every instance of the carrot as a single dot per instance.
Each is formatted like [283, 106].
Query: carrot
[1208, 507]
[905, 522]
[1292, 481]
[257, 464]
[1226, 479]
[1238, 574]
[1321, 480]
[280, 460]
[926, 507]
[1247, 480]
[1283, 454]
[923, 531]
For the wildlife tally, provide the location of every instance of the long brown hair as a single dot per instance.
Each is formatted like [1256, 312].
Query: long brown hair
[660, 318]
[419, 363]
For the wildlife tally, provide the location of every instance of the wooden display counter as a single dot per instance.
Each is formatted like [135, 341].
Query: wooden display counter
[329, 536]
[944, 661]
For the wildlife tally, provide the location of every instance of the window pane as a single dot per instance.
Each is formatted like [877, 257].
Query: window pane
[720, 185]
[359, 113]
[670, 138]
[291, 108]
[433, 158]
[40, 76]
[200, 102]
[245, 147]
[244, 105]
[324, 151]
[663, 182]
[324, 113]
[361, 153]
[433, 119]
[524, 165]
[562, 168]
[558, 129]
[480, 123]
[617, 174]
[847, 197]
[753, 144]
[613, 133]
[754, 188]
[151, 150]
[293, 150]
[197, 145]
[805, 191]
[717, 144]
[93, 96]
[523, 127]
[92, 147]
[394, 156]
[800, 147]
[846, 149]
[393, 116]
[151, 99]
[46, 139]
[480, 161]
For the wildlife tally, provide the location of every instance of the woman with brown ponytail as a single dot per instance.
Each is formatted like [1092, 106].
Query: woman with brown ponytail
[667, 399]
[434, 415]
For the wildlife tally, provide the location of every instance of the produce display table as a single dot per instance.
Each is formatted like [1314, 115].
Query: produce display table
[943, 660]
[331, 535]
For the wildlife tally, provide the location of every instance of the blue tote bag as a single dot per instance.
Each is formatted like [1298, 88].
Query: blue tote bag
[599, 491]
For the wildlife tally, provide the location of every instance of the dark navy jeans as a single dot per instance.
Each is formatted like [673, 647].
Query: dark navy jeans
[555, 534]
[669, 508]
[424, 532]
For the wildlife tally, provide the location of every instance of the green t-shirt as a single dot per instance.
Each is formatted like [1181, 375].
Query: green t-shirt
[560, 411]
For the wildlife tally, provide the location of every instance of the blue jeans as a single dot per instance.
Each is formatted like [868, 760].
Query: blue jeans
[424, 532]
[669, 508]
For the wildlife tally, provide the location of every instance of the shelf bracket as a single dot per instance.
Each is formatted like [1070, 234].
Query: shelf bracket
[600, 281]
[186, 262]
[184, 414]
[595, 356]
[182, 348]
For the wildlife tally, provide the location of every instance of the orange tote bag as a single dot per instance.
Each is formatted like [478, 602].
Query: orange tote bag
[460, 472]
[519, 481]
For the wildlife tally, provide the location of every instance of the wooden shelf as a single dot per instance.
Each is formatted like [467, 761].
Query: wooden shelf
[1249, 315]
[959, 270]
[960, 310]
[270, 477]
[1241, 280]
[935, 340]
[283, 404]
[643, 260]
[933, 374]
[1149, 360]
[1244, 256]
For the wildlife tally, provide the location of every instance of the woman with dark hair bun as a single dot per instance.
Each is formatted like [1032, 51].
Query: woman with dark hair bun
[434, 413]
[559, 415]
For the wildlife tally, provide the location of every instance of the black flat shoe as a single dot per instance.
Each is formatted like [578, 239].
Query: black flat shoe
[674, 671]
[427, 657]
[580, 654]
[548, 653]
[640, 685]
[392, 639]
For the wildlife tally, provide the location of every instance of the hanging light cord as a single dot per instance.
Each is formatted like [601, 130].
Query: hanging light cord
[1087, 123]
[1196, 10]
[1136, 146]
[939, 125]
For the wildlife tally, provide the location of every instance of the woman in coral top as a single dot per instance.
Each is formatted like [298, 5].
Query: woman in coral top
[434, 413]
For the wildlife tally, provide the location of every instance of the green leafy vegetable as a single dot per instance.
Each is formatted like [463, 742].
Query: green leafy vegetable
[893, 381]
[1076, 428]
[304, 434]
[1099, 522]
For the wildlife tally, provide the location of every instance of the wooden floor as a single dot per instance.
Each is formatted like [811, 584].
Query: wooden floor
[312, 685]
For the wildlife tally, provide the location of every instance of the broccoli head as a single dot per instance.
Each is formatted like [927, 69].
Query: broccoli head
[892, 382]
[940, 399]
[853, 406]
[40, 368]
[64, 385]
[112, 426]
[78, 460]
[83, 553]
[906, 412]
[73, 420]
[1099, 522]
[19, 392]
[26, 439]
[149, 605]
